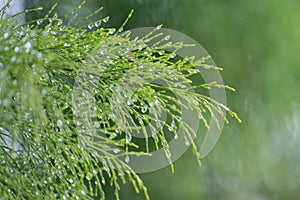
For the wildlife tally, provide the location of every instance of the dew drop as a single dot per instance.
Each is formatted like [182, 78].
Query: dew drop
[127, 159]
[66, 105]
[116, 150]
[90, 26]
[172, 55]
[15, 82]
[44, 91]
[17, 49]
[59, 123]
[88, 176]
[97, 24]
[105, 168]
[128, 137]
[78, 123]
[173, 124]
[144, 109]
[176, 136]
[91, 76]
[67, 44]
[39, 22]
[186, 142]
[106, 19]
[170, 129]
[168, 153]
[111, 31]
[6, 35]
[13, 59]
[4, 131]
[113, 135]
[28, 46]
[154, 135]
[39, 55]
[121, 29]
[167, 37]
[161, 53]
[195, 102]
[141, 122]
[21, 33]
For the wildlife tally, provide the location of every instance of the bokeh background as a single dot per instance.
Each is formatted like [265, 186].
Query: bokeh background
[257, 43]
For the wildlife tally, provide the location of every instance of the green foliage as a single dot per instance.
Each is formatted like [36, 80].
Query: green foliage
[50, 145]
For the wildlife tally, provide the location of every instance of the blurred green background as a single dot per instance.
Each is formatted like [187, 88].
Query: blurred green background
[258, 44]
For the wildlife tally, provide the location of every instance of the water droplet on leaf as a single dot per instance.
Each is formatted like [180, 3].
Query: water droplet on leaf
[144, 109]
[13, 59]
[127, 159]
[168, 153]
[161, 53]
[6, 35]
[59, 123]
[167, 37]
[176, 136]
[88, 176]
[39, 22]
[106, 19]
[116, 150]
[17, 49]
[173, 124]
[97, 24]
[186, 142]
[28, 46]
[128, 137]
[15, 82]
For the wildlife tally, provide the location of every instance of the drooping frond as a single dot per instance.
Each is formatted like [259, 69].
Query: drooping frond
[73, 99]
